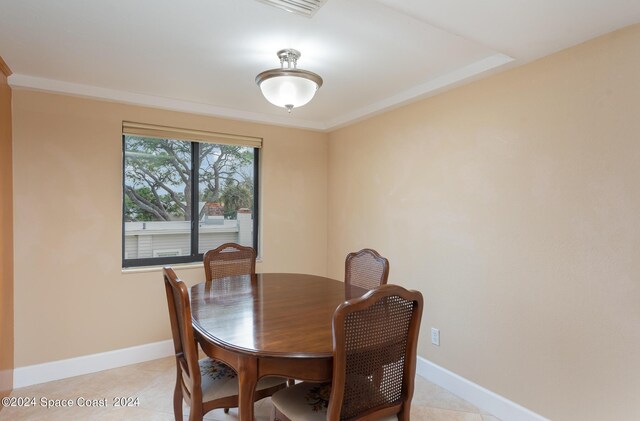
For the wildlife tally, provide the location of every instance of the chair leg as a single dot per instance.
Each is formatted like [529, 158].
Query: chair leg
[196, 412]
[177, 400]
[226, 410]
[403, 415]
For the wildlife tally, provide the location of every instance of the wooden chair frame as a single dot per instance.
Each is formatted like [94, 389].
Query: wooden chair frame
[214, 254]
[339, 356]
[186, 353]
[362, 253]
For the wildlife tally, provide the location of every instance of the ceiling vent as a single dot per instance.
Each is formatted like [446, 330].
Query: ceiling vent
[302, 7]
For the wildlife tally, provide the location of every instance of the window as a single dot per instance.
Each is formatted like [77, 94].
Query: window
[186, 192]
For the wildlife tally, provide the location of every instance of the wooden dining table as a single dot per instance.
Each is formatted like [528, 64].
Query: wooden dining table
[269, 324]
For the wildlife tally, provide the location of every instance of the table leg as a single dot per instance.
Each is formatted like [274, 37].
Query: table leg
[248, 378]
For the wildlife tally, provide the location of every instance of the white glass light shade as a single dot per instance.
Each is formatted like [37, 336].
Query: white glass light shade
[288, 91]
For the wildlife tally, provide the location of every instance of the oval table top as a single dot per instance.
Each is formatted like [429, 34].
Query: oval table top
[269, 314]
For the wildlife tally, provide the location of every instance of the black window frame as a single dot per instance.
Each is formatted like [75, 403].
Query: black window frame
[194, 255]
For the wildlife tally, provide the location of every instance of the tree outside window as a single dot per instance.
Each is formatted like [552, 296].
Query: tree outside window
[160, 179]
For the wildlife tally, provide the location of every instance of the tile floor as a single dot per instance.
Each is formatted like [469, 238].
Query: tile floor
[152, 383]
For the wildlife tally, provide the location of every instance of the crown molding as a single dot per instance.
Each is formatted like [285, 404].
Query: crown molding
[430, 88]
[19, 81]
[4, 68]
[437, 85]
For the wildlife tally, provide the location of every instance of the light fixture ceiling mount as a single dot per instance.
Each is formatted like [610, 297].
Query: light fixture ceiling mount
[288, 86]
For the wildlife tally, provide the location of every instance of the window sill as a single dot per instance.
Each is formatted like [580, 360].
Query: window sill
[145, 269]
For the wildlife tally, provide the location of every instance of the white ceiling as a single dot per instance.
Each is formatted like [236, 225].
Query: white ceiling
[203, 55]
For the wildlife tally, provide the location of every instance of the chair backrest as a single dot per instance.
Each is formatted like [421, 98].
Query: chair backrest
[375, 339]
[230, 259]
[365, 269]
[181, 328]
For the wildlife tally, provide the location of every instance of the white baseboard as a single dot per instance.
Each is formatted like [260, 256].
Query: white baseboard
[56, 370]
[477, 395]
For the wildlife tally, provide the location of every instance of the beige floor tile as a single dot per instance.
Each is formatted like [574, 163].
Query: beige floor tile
[158, 395]
[426, 413]
[123, 382]
[429, 394]
[162, 364]
[133, 414]
[49, 414]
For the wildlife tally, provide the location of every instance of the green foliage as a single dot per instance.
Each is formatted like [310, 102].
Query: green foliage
[133, 212]
[236, 195]
[158, 177]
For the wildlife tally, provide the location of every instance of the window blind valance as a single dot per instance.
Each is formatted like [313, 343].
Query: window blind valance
[166, 132]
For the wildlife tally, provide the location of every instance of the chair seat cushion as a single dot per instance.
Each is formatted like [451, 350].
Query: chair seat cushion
[306, 402]
[219, 380]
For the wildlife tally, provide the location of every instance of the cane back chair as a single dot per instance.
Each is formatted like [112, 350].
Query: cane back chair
[229, 259]
[374, 362]
[365, 269]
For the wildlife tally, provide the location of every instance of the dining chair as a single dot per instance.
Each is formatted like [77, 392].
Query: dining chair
[376, 334]
[204, 384]
[229, 259]
[365, 269]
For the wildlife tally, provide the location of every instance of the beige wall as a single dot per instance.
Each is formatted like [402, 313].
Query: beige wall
[6, 238]
[71, 298]
[513, 204]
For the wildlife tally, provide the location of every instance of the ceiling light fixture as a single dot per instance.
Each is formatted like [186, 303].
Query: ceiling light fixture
[288, 86]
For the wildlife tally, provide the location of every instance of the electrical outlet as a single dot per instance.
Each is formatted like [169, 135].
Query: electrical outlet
[435, 336]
